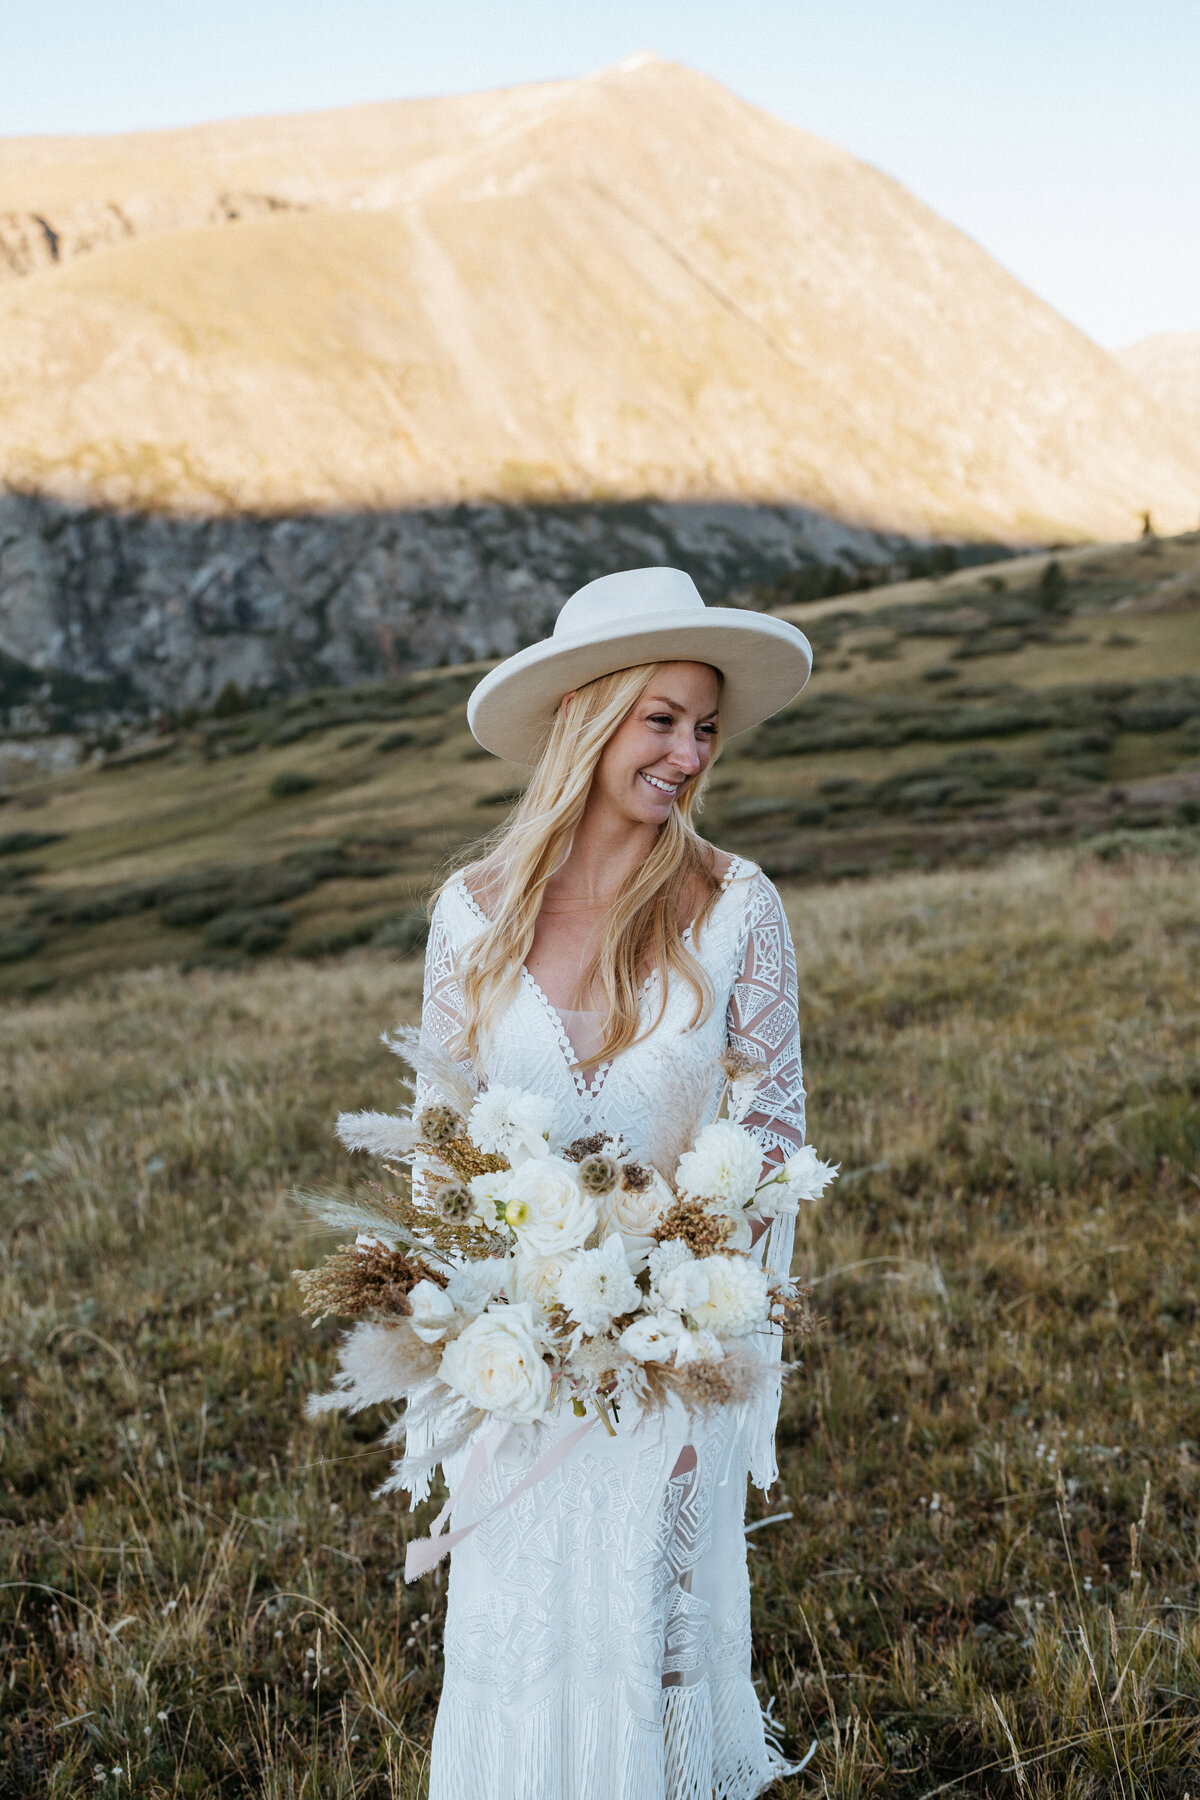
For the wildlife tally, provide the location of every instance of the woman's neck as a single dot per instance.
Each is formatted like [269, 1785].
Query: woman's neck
[607, 851]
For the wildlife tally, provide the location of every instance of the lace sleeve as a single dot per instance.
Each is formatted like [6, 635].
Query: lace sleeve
[442, 1006]
[763, 1022]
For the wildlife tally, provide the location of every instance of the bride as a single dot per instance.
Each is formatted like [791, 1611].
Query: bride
[597, 1642]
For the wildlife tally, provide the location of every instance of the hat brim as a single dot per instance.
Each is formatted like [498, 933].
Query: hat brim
[765, 663]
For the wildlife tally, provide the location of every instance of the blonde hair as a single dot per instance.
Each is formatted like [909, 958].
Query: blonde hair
[643, 930]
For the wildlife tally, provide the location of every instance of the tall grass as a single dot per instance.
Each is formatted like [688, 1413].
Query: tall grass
[989, 1582]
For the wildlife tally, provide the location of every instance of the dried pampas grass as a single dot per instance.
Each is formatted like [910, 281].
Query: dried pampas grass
[379, 1363]
[433, 1066]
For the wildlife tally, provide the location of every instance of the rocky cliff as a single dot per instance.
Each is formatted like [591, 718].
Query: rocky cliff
[174, 608]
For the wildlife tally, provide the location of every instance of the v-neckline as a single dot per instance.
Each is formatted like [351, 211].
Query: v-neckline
[591, 1091]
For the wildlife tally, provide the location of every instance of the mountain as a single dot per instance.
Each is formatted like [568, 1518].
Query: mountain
[1168, 367]
[632, 285]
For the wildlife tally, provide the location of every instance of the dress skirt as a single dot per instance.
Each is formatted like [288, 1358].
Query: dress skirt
[598, 1629]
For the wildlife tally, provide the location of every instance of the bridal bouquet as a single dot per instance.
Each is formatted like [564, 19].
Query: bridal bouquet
[512, 1274]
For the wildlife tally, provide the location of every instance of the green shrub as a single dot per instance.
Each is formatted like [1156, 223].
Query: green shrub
[405, 933]
[19, 943]
[290, 782]
[18, 843]
[1176, 843]
[254, 931]
[229, 702]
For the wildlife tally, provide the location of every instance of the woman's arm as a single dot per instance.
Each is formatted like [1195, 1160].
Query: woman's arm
[763, 1024]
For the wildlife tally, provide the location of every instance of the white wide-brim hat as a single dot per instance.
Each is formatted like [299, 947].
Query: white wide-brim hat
[639, 616]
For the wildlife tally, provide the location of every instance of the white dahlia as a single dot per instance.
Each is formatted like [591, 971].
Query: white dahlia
[724, 1165]
[508, 1121]
[596, 1286]
[736, 1301]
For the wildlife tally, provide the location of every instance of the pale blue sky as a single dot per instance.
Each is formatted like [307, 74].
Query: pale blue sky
[1061, 134]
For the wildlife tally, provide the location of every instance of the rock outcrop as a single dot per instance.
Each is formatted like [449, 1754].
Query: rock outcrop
[174, 608]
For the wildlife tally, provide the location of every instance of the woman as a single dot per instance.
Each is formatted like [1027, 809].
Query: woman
[598, 1629]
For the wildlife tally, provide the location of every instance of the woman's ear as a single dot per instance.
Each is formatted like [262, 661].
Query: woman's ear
[564, 705]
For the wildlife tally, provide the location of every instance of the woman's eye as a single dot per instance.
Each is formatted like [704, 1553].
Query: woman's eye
[661, 719]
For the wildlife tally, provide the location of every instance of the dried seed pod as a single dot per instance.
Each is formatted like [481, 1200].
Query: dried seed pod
[598, 1174]
[438, 1123]
[453, 1201]
[737, 1066]
[634, 1178]
[585, 1146]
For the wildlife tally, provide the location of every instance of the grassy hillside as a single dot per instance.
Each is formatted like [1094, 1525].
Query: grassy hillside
[1038, 701]
[989, 1582]
[624, 285]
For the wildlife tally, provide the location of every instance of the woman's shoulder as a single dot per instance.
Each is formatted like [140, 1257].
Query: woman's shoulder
[474, 890]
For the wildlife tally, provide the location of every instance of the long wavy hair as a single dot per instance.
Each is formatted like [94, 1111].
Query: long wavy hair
[643, 932]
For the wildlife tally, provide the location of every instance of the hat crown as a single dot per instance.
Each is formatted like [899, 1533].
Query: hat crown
[632, 593]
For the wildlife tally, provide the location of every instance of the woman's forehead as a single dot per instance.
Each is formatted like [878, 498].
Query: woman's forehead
[686, 685]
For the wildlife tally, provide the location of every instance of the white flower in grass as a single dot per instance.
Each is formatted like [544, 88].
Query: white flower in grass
[652, 1338]
[490, 1193]
[697, 1346]
[596, 1286]
[802, 1177]
[475, 1285]
[736, 1301]
[548, 1209]
[508, 1121]
[724, 1165]
[496, 1363]
[536, 1279]
[432, 1311]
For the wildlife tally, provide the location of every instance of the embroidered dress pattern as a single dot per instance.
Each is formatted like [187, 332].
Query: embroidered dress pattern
[597, 1640]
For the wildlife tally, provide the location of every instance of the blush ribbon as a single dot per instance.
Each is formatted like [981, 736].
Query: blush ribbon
[424, 1554]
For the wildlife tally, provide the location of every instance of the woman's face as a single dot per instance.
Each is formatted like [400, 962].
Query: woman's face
[662, 745]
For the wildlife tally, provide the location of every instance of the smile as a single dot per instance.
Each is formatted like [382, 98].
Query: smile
[664, 787]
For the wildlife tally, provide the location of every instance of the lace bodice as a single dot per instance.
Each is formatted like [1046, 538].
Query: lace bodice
[665, 1084]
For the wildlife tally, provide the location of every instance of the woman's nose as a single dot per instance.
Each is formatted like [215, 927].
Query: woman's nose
[684, 755]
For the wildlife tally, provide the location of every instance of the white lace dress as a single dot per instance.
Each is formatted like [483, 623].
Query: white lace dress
[597, 1640]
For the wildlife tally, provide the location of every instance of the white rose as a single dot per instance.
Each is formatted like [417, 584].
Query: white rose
[635, 1215]
[432, 1311]
[489, 1192]
[536, 1279]
[497, 1365]
[548, 1209]
[507, 1121]
[724, 1165]
[652, 1338]
[736, 1302]
[596, 1286]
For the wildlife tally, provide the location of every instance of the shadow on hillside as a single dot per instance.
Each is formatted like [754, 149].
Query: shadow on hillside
[165, 611]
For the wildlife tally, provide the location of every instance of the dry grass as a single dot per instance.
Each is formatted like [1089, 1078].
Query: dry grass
[990, 1582]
